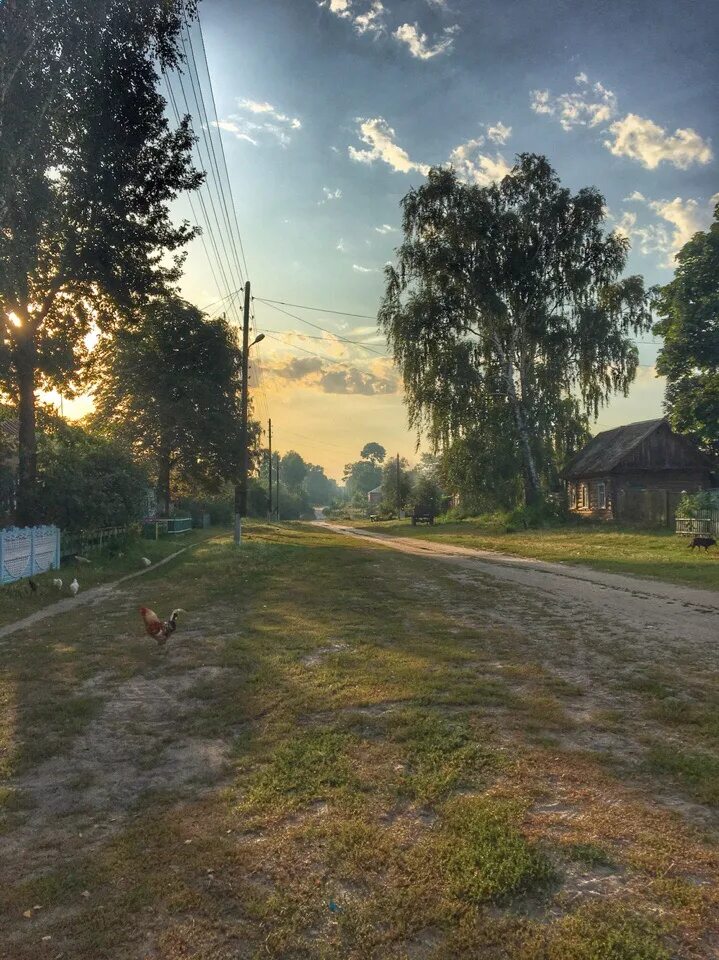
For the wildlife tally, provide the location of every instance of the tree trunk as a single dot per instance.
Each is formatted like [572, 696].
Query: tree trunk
[163, 484]
[532, 486]
[25, 365]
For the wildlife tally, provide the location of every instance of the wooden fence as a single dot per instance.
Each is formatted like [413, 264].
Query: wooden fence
[25, 551]
[704, 525]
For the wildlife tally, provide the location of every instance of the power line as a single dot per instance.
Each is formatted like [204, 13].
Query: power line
[342, 363]
[302, 306]
[222, 149]
[316, 326]
[207, 136]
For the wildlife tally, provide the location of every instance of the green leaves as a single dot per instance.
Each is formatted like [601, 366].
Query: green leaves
[689, 311]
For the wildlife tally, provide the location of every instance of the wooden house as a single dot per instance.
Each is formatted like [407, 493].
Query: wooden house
[635, 473]
[374, 497]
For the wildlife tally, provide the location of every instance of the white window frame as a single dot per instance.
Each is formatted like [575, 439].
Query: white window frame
[601, 495]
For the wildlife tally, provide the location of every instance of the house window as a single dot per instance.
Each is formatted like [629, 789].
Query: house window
[601, 496]
[572, 496]
[582, 500]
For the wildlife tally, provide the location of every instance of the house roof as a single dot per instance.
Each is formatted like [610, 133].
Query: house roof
[376, 490]
[608, 449]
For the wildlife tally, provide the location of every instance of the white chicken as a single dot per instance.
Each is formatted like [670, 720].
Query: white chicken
[57, 582]
[145, 562]
[74, 587]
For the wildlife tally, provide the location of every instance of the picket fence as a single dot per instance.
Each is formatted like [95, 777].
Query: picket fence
[25, 551]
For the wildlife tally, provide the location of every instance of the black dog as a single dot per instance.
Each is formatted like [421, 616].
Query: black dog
[705, 542]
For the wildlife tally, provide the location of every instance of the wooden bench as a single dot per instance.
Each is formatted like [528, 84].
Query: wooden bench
[421, 516]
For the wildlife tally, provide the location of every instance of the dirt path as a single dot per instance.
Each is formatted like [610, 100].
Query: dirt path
[658, 609]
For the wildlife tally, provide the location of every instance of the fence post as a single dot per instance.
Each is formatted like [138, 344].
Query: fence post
[2, 556]
[32, 550]
[58, 553]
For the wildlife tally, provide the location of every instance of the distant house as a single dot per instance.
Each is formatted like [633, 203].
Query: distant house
[374, 497]
[635, 473]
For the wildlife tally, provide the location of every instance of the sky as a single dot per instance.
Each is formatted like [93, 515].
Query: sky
[331, 110]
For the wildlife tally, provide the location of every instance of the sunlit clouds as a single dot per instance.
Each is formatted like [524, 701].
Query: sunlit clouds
[258, 120]
[632, 136]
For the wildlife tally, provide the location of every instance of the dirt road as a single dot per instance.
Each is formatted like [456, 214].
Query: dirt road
[683, 614]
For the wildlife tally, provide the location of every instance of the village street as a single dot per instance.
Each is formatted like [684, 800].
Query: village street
[350, 751]
[664, 613]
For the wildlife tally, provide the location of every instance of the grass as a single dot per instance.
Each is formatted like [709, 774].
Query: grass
[320, 766]
[18, 601]
[657, 554]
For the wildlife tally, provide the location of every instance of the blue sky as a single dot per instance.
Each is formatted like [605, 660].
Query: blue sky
[330, 111]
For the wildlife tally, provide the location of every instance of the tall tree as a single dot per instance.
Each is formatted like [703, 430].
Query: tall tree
[374, 452]
[88, 169]
[689, 359]
[293, 470]
[170, 386]
[506, 308]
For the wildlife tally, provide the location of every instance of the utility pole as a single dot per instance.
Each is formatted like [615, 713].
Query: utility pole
[241, 488]
[269, 475]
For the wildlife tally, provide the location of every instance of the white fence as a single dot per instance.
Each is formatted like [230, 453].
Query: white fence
[706, 525]
[28, 550]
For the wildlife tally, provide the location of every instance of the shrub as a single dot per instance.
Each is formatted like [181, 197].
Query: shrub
[86, 482]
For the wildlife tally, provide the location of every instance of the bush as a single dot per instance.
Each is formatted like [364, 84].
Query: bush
[693, 504]
[548, 512]
[221, 507]
[86, 482]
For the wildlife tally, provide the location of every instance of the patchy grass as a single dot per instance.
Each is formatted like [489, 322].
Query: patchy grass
[697, 770]
[319, 765]
[482, 853]
[658, 554]
[18, 601]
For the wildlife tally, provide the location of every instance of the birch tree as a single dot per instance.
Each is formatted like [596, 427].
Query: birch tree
[507, 312]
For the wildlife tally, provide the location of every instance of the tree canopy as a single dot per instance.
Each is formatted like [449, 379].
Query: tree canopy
[506, 312]
[689, 358]
[170, 387]
[88, 170]
[374, 452]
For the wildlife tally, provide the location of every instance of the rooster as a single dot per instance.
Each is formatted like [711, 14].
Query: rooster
[159, 630]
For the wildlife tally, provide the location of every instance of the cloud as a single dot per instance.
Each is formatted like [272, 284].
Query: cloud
[632, 136]
[477, 167]
[592, 105]
[685, 216]
[385, 229]
[255, 106]
[418, 43]
[380, 138]
[684, 219]
[641, 139]
[467, 159]
[340, 8]
[273, 122]
[377, 378]
[356, 267]
[229, 126]
[371, 20]
[330, 195]
[635, 197]
[498, 133]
